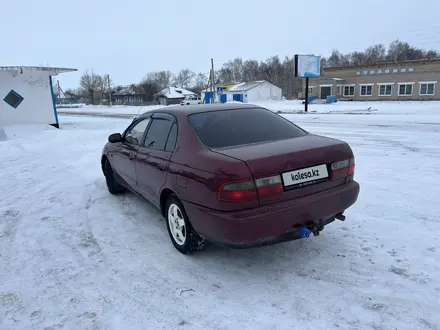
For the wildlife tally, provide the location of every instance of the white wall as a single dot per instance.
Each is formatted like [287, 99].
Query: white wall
[264, 92]
[36, 107]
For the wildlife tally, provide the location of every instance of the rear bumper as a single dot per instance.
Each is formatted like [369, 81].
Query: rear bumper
[272, 223]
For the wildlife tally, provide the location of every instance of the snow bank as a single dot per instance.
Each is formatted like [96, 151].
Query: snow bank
[403, 107]
[23, 131]
[292, 106]
[107, 110]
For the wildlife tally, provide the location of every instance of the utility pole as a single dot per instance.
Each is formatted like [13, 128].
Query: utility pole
[59, 88]
[306, 100]
[109, 90]
[213, 80]
[211, 91]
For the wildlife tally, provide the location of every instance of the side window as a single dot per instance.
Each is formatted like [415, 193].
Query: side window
[172, 138]
[158, 133]
[135, 134]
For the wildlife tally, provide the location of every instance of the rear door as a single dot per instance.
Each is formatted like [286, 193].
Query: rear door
[153, 157]
[123, 158]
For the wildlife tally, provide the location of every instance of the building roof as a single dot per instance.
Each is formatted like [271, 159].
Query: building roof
[174, 93]
[245, 86]
[52, 70]
[382, 64]
[126, 90]
[239, 86]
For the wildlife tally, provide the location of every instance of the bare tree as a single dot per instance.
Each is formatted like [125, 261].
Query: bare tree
[200, 82]
[397, 51]
[374, 54]
[92, 85]
[357, 58]
[70, 93]
[432, 55]
[334, 59]
[149, 88]
[251, 70]
[185, 78]
[163, 79]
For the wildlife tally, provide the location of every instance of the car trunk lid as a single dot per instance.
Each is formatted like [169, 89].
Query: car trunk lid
[304, 163]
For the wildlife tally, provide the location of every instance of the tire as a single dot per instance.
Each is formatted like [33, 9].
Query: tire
[183, 236]
[112, 184]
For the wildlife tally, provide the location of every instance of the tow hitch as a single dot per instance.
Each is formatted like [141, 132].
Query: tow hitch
[317, 227]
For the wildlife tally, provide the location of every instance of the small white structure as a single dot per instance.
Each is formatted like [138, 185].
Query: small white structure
[246, 92]
[26, 95]
[172, 95]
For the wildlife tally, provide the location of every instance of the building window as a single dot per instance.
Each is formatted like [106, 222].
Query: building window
[405, 89]
[13, 99]
[366, 90]
[385, 90]
[310, 90]
[348, 90]
[427, 89]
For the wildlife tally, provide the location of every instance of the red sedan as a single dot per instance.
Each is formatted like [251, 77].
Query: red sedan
[234, 174]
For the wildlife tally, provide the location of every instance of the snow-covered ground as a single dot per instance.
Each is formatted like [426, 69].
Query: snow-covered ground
[286, 106]
[72, 256]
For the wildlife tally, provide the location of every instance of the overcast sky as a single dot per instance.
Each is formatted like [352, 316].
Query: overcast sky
[129, 38]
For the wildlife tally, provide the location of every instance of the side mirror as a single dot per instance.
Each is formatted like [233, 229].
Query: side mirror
[115, 138]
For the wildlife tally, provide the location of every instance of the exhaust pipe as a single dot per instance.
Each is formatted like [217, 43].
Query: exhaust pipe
[340, 216]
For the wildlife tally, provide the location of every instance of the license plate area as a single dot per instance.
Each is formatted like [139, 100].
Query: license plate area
[304, 177]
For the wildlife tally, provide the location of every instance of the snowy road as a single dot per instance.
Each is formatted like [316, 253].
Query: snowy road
[74, 257]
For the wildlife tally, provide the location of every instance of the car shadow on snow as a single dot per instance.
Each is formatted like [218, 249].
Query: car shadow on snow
[297, 254]
[301, 251]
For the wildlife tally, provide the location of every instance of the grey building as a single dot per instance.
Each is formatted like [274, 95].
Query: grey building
[411, 80]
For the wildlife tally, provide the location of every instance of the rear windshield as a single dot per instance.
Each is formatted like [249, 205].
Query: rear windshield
[228, 128]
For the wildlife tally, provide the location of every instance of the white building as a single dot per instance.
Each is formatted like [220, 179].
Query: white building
[26, 95]
[172, 95]
[246, 92]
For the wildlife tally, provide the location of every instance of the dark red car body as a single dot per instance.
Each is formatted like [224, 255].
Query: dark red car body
[196, 175]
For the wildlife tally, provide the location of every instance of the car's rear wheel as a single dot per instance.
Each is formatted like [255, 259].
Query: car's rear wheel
[113, 185]
[185, 239]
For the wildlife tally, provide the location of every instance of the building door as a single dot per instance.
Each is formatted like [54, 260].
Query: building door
[208, 97]
[237, 97]
[326, 91]
[223, 98]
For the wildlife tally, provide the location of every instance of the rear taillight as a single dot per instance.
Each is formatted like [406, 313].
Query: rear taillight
[269, 186]
[342, 169]
[352, 167]
[237, 192]
[339, 169]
